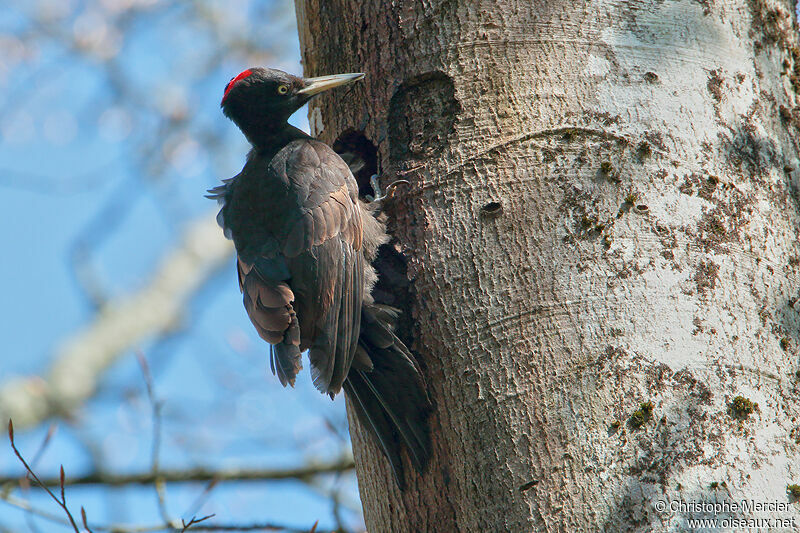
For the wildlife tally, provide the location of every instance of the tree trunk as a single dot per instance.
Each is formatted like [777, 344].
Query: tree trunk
[596, 252]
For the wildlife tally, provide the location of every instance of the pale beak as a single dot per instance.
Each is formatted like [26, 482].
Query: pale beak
[323, 83]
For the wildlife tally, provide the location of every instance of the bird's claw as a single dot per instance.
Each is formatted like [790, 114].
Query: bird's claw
[376, 188]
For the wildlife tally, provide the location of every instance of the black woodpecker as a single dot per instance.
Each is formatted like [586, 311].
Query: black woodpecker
[305, 246]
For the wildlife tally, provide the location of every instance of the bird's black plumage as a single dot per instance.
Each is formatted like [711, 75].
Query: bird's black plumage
[305, 243]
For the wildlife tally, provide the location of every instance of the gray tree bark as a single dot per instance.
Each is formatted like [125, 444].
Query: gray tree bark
[596, 252]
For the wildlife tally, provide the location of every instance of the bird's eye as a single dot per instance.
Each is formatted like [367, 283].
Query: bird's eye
[283, 89]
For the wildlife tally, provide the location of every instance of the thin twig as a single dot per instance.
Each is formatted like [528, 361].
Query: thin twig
[85, 522]
[30, 521]
[29, 516]
[194, 521]
[158, 481]
[62, 502]
[51, 430]
[28, 508]
[201, 500]
[337, 515]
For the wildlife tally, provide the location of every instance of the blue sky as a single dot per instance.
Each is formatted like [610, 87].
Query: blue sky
[89, 161]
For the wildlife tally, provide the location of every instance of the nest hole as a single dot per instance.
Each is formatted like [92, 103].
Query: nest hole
[361, 156]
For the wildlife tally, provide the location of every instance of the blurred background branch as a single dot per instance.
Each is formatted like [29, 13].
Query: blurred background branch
[119, 325]
[200, 475]
[110, 132]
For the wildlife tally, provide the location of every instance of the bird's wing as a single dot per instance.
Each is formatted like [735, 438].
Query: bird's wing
[298, 232]
[269, 304]
[323, 251]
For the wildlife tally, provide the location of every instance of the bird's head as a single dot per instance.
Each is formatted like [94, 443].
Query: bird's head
[265, 98]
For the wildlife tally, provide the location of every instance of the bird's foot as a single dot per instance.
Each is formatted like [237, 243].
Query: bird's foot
[376, 188]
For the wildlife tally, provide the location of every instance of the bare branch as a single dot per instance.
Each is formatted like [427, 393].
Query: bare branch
[122, 528]
[257, 527]
[197, 524]
[155, 310]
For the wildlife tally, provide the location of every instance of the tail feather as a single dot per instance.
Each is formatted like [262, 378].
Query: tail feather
[411, 432]
[375, 420]
[285, 361]
[390, 398]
